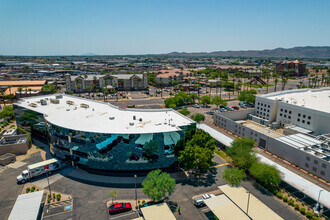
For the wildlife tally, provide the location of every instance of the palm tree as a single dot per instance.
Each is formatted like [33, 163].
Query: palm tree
[9, 87]
[30, 91]
[26, 88]
[284, 81]
[3, 98]
[275, 82]
[20, 91]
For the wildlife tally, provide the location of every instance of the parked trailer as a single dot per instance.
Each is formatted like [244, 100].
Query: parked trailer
[38, 169]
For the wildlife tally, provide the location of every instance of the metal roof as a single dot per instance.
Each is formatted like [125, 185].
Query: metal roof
[27, 206]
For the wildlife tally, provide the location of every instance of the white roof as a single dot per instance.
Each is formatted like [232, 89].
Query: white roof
[257, 209]
[27, 206]
[299, 140]
[102, 117]
[43, 163]
[317, 99]
[225, 140]
[159, 211]
[224, 208]
[300, 183]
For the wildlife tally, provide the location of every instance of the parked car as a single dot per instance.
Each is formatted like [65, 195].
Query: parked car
[243, 106]
[241, 103]
[196, 106]
[134, 157]
[209, 112]
[223, 110]
[120, 207]
[235, 107]
[230, 109]
[250, 105]
[199, 201]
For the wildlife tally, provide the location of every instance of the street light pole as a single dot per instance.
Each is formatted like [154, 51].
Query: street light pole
[318, 199]
[247, 209]
[135, 192]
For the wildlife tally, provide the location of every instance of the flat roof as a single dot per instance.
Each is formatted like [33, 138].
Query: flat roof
[260, 128]
[23, 83]
[300, 183]
[224, 208]
[257, 209]
[159, 211]
[317, 99]
[27, 206]
[100, 117]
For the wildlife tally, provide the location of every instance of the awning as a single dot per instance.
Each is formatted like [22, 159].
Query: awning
[167, 139]
[175, 136]
[106, 142]
[144, 138]
[125, 136]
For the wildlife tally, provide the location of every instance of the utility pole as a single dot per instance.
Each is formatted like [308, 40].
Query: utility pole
[50, 192]
[135, 192]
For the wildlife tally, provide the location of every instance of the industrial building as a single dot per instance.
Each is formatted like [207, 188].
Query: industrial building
[101, 136]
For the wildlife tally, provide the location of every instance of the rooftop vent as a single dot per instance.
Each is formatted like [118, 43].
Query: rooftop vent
[134, 117]
[43, 102]
[131, 123]
[111, 118]
[58, 96]
[34, 105]
[69, 102]
[67, 109]
[82, 105]
[140, 119]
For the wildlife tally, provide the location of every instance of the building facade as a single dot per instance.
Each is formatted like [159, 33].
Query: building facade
[166, 77]
[85, 83]
[101, 136]
[296, 68]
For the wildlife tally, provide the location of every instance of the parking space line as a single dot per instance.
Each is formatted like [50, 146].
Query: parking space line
[126, 214]
[220, 165]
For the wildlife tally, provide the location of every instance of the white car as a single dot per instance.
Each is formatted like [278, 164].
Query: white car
[199, 201]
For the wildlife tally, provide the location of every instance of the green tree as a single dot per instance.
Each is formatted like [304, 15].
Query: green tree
[7, 112]
[184, 112]
[266, 174]
[206, 99]
[113, 194]
[150, 148]
[157, 184]
[198, 153]
[198, 117]
[218, 101]
[241, 152]
[49, 89]
[233, 176]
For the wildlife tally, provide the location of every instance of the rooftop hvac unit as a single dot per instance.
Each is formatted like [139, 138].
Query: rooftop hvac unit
[69, 102]
[82, 105]
[58, 96]
[34, 105]
[134, 117]
[111, 118]
[131, 123]
[54, 101]
[43, 102]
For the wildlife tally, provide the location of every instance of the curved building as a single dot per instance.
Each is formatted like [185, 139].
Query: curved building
[101, 136]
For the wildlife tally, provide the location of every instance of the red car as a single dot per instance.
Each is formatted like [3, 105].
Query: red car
[120, 207]
[134, 157]
[235, 107]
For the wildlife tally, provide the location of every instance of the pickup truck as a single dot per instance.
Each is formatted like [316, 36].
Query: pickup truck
[199, 201]
[38, 169]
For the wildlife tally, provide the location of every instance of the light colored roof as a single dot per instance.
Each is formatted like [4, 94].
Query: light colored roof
[23, 83]
[224, 208]
[159, 211]
[300, 183]
[43, 163]
[119, 76]
[102, 117]
[225, 140]
[317, 99]
[257, 209]
[27, 206]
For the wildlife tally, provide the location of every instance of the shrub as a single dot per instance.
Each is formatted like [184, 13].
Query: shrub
[13, 152]
[309, 215]
[315, 218]
[54, 196]
[302, 211]
[28, 190]
[48, 200]
[296, 207]
[291, 202]
[58, 197]
[33, 188]
[279, 195]
[143, 202]
[139, 201]
[285, 199]
[49, 196]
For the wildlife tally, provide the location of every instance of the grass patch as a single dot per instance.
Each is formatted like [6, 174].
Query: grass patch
[223, 155]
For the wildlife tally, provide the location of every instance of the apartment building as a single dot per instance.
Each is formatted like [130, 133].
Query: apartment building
[166, 77]
[85, 83]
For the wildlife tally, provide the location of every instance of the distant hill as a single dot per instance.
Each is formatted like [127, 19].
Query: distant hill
[295, 52]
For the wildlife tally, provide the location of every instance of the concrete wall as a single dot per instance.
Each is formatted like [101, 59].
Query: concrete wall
[242, 114]
[21, 148]
[266, 108]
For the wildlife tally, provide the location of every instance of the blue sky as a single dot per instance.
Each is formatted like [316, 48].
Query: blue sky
[74, 27]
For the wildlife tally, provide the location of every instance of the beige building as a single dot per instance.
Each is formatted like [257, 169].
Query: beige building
[166, 77]
[85, 83]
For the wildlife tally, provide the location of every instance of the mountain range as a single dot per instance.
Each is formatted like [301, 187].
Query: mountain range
[295, 52]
